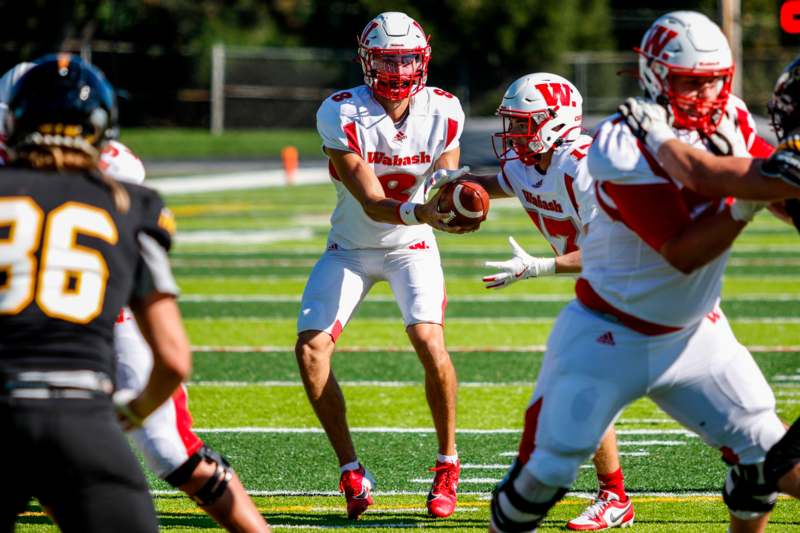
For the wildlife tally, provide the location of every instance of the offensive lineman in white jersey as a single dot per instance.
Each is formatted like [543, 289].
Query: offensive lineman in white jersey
[384, 139]
[758, 179]
[542, 154]
[648, 300]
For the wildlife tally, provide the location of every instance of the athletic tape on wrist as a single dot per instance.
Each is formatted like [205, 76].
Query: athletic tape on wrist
[407, 213]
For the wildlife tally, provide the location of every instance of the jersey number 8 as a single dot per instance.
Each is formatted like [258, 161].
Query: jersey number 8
[71, 278]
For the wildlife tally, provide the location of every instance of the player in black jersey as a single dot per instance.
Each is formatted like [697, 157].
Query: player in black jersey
[75, 247]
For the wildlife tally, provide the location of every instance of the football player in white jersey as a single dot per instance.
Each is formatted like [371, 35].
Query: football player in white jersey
[542, 153]
[647, 300]
[384, 139]
[169, 446]
[755, 179]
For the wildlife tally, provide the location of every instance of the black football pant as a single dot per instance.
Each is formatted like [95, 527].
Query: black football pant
[71, 455]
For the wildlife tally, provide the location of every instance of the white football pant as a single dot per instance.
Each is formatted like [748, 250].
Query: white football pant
[594, 367]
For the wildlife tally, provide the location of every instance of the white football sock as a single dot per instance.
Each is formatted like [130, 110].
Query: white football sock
[447, 458]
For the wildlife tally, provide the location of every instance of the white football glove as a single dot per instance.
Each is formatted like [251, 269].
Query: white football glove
[745, 210]
[521, 266]
[726, 139]
[122, 405]
[649, 121]
[442, 177]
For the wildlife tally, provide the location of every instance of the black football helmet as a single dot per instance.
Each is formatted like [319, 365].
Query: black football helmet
[784, 105]
[61, 101]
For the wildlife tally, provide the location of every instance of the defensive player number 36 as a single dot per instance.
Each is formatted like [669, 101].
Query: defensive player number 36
[72, 278]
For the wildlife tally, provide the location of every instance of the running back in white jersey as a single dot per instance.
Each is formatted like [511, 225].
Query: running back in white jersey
[561, 201]
[401, 156]
[641, 208]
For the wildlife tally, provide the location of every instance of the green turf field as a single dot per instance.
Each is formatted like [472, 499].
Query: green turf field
[240, 302]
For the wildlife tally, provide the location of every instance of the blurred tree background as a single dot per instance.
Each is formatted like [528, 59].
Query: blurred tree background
[157, 52]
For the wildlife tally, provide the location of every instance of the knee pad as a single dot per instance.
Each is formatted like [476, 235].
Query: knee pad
[747, 493]
[216, 485]
[520, 502]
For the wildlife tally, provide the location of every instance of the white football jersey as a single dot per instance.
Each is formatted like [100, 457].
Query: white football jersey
[619, 265]
[402, 156]
[561, 201]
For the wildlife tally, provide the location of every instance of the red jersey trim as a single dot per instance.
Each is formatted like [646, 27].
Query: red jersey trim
[332, 170]
[588, 297]
[759, 148]
[452, 130]
[183, 421]
[655, 212]
[352, 138]
[568, 181]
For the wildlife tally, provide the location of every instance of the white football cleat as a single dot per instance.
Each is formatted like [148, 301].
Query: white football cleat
[606, 511]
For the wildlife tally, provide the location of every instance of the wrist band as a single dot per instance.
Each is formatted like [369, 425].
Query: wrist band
[407, 214]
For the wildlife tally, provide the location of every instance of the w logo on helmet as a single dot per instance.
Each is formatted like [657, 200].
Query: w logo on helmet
[658, 40]
[555, 93]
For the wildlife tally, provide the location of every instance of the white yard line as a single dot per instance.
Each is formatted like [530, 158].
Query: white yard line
[257, 179]
[452, 348]
[384, 384]
[390, 299]
[504, 320]
[237, 237]
[497, 431]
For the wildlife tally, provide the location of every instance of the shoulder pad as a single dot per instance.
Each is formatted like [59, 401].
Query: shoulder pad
[156, 220]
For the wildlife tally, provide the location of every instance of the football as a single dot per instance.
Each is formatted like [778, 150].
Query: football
[465, 202]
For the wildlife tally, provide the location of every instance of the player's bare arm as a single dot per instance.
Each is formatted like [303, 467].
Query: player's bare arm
[363, 184]
[569, 263]
[700, 170]
[718, 176]
[159, 319]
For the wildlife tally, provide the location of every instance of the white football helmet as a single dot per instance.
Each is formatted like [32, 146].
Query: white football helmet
[6, 83]
[686, 43]
[394, 54]
[539, 111]
[119, 162]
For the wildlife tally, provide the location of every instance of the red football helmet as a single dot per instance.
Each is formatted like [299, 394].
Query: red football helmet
[394, 54]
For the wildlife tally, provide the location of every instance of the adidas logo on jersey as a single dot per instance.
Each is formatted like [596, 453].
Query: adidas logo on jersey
[607, 338]
[380, 158]
[539, 202]
[400, 137]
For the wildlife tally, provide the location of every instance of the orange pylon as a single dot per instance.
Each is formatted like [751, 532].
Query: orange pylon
[291, 160]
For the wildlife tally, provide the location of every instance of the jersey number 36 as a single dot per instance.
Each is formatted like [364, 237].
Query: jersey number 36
[69, 280]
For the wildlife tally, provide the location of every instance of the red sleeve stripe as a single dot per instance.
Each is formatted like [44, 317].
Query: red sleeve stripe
[655, 212]
[744, 125]
[588, 297]
[452, 130]
[612, 212]
[352, 138]
[761, 149]
[568, 181]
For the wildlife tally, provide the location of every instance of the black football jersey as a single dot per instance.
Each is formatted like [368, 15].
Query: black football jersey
[69, 261]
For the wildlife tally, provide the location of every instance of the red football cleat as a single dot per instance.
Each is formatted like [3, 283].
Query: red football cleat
[442, 497]
[605, 512]
[357, 486]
